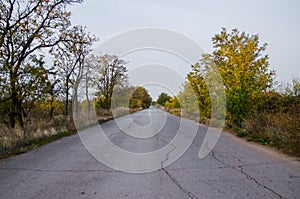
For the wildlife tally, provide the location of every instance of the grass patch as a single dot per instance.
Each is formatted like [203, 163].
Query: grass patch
[279, 130]
[15, 141]
[241, 134]
[32, 143]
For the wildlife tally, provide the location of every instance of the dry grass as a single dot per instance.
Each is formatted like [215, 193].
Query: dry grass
[85, 119]
[281, 130]
[39, 131]
[17, 140]
[104, 114]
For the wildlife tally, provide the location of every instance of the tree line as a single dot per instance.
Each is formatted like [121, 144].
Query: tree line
[257, 106]
[34, 32]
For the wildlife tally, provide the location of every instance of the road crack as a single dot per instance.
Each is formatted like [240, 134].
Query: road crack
[167, 156]
[256, 181]
[190, 194]
[241, 170]
[187, 192]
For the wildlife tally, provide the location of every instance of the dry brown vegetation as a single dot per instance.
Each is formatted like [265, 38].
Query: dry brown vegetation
[41, 131]
[18, 140]
[276, 123]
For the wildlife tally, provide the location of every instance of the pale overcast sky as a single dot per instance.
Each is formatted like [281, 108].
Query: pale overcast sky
[276, 22]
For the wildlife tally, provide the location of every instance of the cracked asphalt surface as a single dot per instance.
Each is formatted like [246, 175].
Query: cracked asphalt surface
[233, 169]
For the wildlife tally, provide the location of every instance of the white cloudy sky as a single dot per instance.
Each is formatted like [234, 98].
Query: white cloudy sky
[276, 22]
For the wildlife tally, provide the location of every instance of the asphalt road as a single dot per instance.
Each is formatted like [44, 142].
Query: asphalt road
[233, 169]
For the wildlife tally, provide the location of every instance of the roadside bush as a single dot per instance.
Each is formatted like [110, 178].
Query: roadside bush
[281, 130]
[12, 139]
[276, 122]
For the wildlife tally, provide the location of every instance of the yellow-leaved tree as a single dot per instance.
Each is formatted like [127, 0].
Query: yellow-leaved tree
[245, 71]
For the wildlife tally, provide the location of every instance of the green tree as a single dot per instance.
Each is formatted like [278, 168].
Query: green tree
[121, 96]
[197, 82]
[70, 57]
[173, 103]
[162, 98]
[140, 98]
[112, 74]
[245, 71]
[188, 101]
[32, 85]
[25, 28]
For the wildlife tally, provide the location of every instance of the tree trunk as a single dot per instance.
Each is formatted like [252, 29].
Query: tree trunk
[20, 116]
[75, 100]
[12, 120]
[51, 108]
[67, 97]
[87, 92]
[16, 111]
[77, 82]
[12, 112]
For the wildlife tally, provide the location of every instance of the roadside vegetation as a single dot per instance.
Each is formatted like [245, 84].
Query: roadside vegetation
[48, 75]
[47, 72]
[257, 107]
